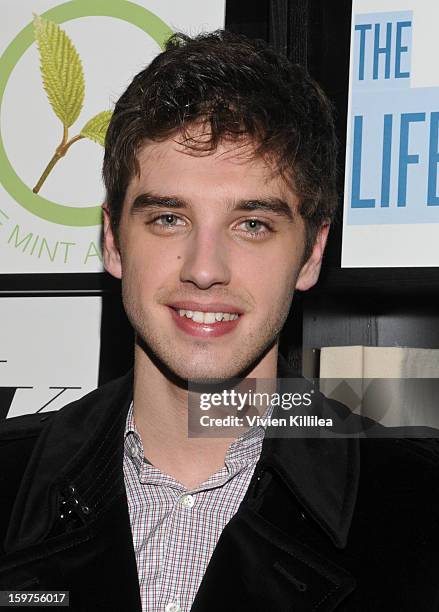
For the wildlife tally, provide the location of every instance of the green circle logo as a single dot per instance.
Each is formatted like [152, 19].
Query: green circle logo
[119, 9]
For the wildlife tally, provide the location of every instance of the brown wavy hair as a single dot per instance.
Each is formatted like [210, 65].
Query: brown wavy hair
[236, 87]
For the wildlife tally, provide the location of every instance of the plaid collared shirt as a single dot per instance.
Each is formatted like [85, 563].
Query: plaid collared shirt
[175, 530]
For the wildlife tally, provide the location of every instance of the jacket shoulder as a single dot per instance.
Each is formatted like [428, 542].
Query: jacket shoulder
[19, 435]
[59, 434]
[32, 425]
[401, 456]
[24, 426]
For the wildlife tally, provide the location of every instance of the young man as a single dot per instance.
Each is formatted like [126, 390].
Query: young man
[220, 176]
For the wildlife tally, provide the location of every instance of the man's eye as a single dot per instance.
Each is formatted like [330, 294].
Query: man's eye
[167, 220]
[256, 228]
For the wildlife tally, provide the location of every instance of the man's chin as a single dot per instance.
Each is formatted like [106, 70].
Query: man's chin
[208, 375]
[203, 371]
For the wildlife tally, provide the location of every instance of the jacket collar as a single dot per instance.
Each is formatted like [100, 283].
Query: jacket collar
[322, 473]
[87, 466]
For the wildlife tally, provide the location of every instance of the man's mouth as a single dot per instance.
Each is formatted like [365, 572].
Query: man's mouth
[205, 320]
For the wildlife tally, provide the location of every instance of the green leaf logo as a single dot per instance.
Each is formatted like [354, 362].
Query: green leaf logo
[96, 128]
[61, 69]
[64, 84]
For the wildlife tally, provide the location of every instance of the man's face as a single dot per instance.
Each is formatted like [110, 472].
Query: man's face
[210, 251]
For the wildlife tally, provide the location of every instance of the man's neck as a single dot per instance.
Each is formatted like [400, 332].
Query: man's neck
[161, 417]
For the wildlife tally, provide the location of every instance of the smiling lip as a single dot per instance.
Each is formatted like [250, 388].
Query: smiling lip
[204, 330]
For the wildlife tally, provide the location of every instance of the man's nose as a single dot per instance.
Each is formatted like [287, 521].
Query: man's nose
[205, 259]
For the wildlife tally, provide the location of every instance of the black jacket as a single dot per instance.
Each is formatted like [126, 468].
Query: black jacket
[326, 524]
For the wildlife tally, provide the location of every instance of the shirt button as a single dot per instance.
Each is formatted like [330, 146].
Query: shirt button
[187, 501]
[172, 607]
[133, 451]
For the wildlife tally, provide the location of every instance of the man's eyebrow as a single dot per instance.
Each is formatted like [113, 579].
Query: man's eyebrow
[150, 200]
[273, 205]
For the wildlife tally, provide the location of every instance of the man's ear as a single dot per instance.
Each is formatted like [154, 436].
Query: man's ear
[309, 274]
[111, 253]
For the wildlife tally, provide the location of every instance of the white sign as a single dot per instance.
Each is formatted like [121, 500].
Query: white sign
[391, 207]
[62, 67]
[49, 352]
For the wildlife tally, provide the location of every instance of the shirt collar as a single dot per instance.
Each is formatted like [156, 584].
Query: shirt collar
[244, 450]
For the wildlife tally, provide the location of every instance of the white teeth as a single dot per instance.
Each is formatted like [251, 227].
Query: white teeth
[207, 317]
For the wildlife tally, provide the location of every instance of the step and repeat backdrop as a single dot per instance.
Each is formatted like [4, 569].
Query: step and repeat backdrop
[62, 67]
[391, 206]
